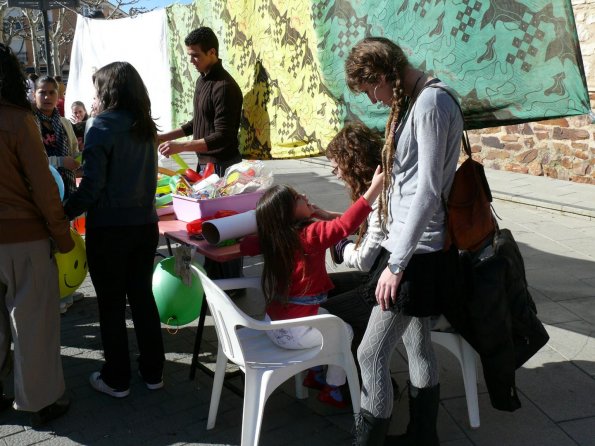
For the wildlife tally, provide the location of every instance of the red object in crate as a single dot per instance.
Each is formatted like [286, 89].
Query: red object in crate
[195, 226]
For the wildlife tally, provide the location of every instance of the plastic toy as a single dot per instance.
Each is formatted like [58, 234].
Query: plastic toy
[208, 170]
[78, 224]
[178, 159]
[177, 303]
[72, 266]
[192, 175]
[59, 181]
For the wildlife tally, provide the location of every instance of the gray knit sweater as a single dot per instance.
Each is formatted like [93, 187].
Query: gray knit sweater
[428, 146]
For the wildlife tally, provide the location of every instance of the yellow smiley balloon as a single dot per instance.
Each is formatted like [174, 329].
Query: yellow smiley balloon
[72, 266]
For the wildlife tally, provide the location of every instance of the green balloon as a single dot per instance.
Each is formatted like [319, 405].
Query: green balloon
[177, 303]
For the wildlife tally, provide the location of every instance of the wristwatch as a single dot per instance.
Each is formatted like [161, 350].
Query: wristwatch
[395, 269]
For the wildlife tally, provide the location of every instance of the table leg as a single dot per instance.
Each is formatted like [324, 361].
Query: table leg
[198, 339]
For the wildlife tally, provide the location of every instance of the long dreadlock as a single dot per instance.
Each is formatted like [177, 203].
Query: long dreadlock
[368, 61]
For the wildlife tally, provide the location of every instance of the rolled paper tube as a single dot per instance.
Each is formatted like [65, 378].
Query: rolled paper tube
[239, 225]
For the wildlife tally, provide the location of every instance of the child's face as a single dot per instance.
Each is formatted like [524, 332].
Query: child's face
[303, 208]
[78, 113]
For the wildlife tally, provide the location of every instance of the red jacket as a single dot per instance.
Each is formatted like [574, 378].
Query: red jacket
[309, 277]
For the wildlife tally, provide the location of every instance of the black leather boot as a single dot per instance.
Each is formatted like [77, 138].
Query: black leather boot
[370, 431]
[423, 415]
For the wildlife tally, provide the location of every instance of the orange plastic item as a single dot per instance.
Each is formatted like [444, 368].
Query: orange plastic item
[225, 213]
[208, 170]
[166, 171]
[195, 226]
[78, 224]
[192, 175]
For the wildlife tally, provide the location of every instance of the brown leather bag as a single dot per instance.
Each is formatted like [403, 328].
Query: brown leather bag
[470, 221]
[469, 217]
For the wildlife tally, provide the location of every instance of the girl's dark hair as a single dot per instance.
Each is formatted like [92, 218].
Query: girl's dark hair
[120, 87]
[357, 151]
[44, 80]
[13, 87]
[279, 239]
[367, 62]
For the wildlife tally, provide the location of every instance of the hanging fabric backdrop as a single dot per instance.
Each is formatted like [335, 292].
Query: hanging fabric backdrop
[139, 41]
[509, 61]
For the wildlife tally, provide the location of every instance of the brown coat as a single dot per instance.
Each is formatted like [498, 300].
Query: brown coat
[30, 207]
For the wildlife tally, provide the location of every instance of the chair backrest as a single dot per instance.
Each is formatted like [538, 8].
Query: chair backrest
[227, 316]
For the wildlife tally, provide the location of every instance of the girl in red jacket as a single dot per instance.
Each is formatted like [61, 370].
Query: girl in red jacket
[294, 279]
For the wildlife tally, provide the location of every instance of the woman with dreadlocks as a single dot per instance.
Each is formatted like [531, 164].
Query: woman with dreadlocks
[419, 158]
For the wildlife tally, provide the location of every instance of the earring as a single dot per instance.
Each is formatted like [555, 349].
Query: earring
[376, 88]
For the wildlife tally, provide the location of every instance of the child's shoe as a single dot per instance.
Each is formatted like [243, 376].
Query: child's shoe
[315, 378]
[332, 396]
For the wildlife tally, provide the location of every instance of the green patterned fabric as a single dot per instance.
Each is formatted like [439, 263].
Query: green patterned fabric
[509, 61]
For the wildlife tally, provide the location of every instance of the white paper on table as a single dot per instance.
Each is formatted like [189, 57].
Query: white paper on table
[227, 228]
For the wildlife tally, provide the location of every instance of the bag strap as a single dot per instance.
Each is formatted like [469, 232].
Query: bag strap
[464, 136]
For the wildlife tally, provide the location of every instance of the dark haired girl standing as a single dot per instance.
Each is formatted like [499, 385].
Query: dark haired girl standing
[118, 193]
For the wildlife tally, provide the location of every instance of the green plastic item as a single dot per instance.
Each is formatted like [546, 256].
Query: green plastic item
[177, 303]
[163, 200]
[163, 181]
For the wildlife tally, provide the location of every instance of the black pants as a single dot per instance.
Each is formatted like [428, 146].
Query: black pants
[348, 302]
[121, 266]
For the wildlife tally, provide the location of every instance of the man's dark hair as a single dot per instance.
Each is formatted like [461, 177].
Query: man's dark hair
[205, 38]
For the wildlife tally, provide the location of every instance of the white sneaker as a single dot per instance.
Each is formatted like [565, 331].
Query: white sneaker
[65, 303]
[98, 384]
[77, 296]
[152, 386]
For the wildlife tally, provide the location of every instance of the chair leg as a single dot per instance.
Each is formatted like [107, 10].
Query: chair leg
[217, 387]
[301, 391]
[468, 363]
[455, 344]
[353, 382]
[254, 401]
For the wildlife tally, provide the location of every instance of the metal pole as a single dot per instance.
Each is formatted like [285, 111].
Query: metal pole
[44, 6]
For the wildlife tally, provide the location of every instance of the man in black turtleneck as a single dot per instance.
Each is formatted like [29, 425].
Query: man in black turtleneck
[214, 127]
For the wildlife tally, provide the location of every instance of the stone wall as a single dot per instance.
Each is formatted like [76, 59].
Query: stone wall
[558, 148]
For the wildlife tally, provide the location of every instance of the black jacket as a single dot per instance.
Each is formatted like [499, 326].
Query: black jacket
[120, 175]
[496, 314]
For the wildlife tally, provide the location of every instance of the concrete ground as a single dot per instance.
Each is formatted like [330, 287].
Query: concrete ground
[554, 225]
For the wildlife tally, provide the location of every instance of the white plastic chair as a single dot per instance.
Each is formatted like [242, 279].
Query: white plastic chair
[455, 343]
[243, 340]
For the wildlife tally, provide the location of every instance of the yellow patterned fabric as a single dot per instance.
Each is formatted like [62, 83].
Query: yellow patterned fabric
[269, 48]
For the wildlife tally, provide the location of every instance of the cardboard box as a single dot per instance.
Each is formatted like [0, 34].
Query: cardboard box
[188, 209]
